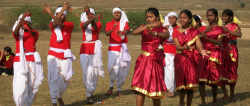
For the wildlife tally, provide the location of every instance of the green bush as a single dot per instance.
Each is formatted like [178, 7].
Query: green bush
[75, 18]
[136, 18]
[41, 21]
[242, 5]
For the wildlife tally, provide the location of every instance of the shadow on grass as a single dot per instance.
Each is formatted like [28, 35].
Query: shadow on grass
[102, 97]
[237, 97]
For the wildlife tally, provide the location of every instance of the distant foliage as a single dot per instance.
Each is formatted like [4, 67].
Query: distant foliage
[40, 20]
[136, 18]
[75, 18]
[242, 5]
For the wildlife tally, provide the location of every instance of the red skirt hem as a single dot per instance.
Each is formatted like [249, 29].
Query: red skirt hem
[153, 95]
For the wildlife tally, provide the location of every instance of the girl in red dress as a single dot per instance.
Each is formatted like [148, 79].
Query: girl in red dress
[199, 25]
[210, 67]
[7, 60]
[185, 40]
[233, 31]
[148, 76]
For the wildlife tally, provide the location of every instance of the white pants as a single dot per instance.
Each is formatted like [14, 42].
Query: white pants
[56, 81]
[116, 72]
[90, 73]
[169, 78]
[23, 92]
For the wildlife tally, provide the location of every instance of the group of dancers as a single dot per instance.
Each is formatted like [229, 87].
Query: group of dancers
[182, 58]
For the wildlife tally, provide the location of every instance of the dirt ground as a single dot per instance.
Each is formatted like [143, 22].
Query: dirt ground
[75, 94]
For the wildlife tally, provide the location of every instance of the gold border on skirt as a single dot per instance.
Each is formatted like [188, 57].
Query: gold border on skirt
[229, 81]
[210, 82]
[189, 86]
[154, 95]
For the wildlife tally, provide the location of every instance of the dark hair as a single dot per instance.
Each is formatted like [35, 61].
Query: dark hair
[214, 11]
[197, 19]
[9, 50]
[153, 11]
[229, 13]
[188, 13]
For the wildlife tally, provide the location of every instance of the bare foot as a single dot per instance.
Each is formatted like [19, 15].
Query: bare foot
[170, 94]
[214, 104]
[231, 100]
[61, 103]
[224, 98]
[181, 104]
[54, 104]
[203, 104]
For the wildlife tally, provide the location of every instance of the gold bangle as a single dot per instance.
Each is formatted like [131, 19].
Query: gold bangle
[148, 26]
[156, 33]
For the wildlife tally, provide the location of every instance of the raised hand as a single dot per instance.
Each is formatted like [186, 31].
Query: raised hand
[66, 6]
[26, 12]
[119, 33]
[99, 15]
[86, 7]
[225, 29]
[150, 32]
[47, 8]
[203, 34]
[209, 28]
[114, 26]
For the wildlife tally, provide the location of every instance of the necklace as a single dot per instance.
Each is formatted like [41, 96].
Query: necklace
[185, 30]
[227, 26]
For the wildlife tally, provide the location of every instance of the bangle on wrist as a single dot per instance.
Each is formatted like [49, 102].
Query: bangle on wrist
[155, 33]
[185, 46]
[200, 49]
[206, 38]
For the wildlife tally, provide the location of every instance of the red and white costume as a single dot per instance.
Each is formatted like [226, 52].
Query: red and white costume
[27, 66]
[170, 51]
[91, 54]
[60, 59]
[119, 57]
